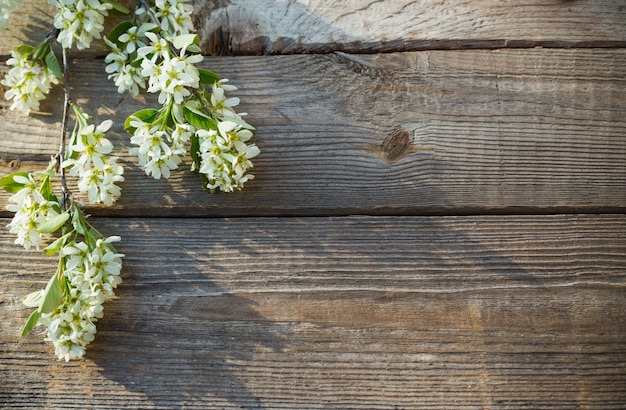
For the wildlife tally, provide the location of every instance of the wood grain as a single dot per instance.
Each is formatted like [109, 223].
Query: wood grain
[438, 132]
[369, 26]
[351, 312]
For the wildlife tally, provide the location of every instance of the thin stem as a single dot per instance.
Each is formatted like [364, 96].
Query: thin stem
[61, 154]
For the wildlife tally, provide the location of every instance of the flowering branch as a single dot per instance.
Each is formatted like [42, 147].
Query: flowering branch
[155, 50]
[89, 266]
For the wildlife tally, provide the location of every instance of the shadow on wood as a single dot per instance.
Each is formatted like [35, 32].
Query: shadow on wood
[189, 339]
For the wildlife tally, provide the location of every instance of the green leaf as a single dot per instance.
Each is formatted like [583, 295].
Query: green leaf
[55, 246]
[185, 40]
[8, 183]
[177, 114]
[118, 9]
[52, 295]
[46, 187]
[53, 65]
[195, 49]
[208, 77]
[53, 224]
[195, 149]
[147, 115]
[198, 119]
[32, 321]
[24, 50]
[40, 51]
[78, 219]
[118, 30]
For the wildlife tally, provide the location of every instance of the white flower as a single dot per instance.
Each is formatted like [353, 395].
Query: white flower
[174, 16]
[154, 152]
[91, 274]
[173, 77]
[98, 171]
[157, 49]
[223, 106]
[125, 75]
[28, 83]
[31, 211]
[132, 40]
[225, 156]
[80, 21]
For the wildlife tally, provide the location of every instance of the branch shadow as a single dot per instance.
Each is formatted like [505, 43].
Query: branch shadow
[175, 335]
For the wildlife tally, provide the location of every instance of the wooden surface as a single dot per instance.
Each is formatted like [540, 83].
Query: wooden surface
[438, 218]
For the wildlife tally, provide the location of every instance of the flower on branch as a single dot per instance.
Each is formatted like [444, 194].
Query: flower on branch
[89, 159]
[29, 81]
[80, 21]
[33, 204]
[195, 108]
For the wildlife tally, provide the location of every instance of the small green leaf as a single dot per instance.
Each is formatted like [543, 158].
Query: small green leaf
[78, 219]
[177, 114]
[208, 77]
[8, 183]
[118, 8]
[55, 246]
[198, 119]
[53, 65]
[118, 30]
[32, 321]
[46, 187]
[52, 295]
[194, 48]
[195, 149]
[40, 51]
[24, 50]
[185, 40]
[53, 224]
[148, 115]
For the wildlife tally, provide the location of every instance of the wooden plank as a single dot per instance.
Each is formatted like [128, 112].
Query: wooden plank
[351, 312]
[445, 132]
[370, 26]
[321, 26]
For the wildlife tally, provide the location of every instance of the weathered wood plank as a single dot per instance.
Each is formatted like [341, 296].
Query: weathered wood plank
[353, 312]
[410, 133]
[267, 26]
[319, 26]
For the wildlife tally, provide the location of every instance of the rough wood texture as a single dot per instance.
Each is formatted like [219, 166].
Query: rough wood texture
[367, 312]
[316, 309]
[410, 133]
[322, 26]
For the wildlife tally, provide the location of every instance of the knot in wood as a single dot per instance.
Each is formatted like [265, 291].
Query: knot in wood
[396, 145]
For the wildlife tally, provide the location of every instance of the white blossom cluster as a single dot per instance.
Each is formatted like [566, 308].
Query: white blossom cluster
[80, 21]
[6, 7]
[32, 210]
[89, 160]
[140, 44]
[91, 273]
[157, 52]
[28, 82]
[225, 156]
[160, 149]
